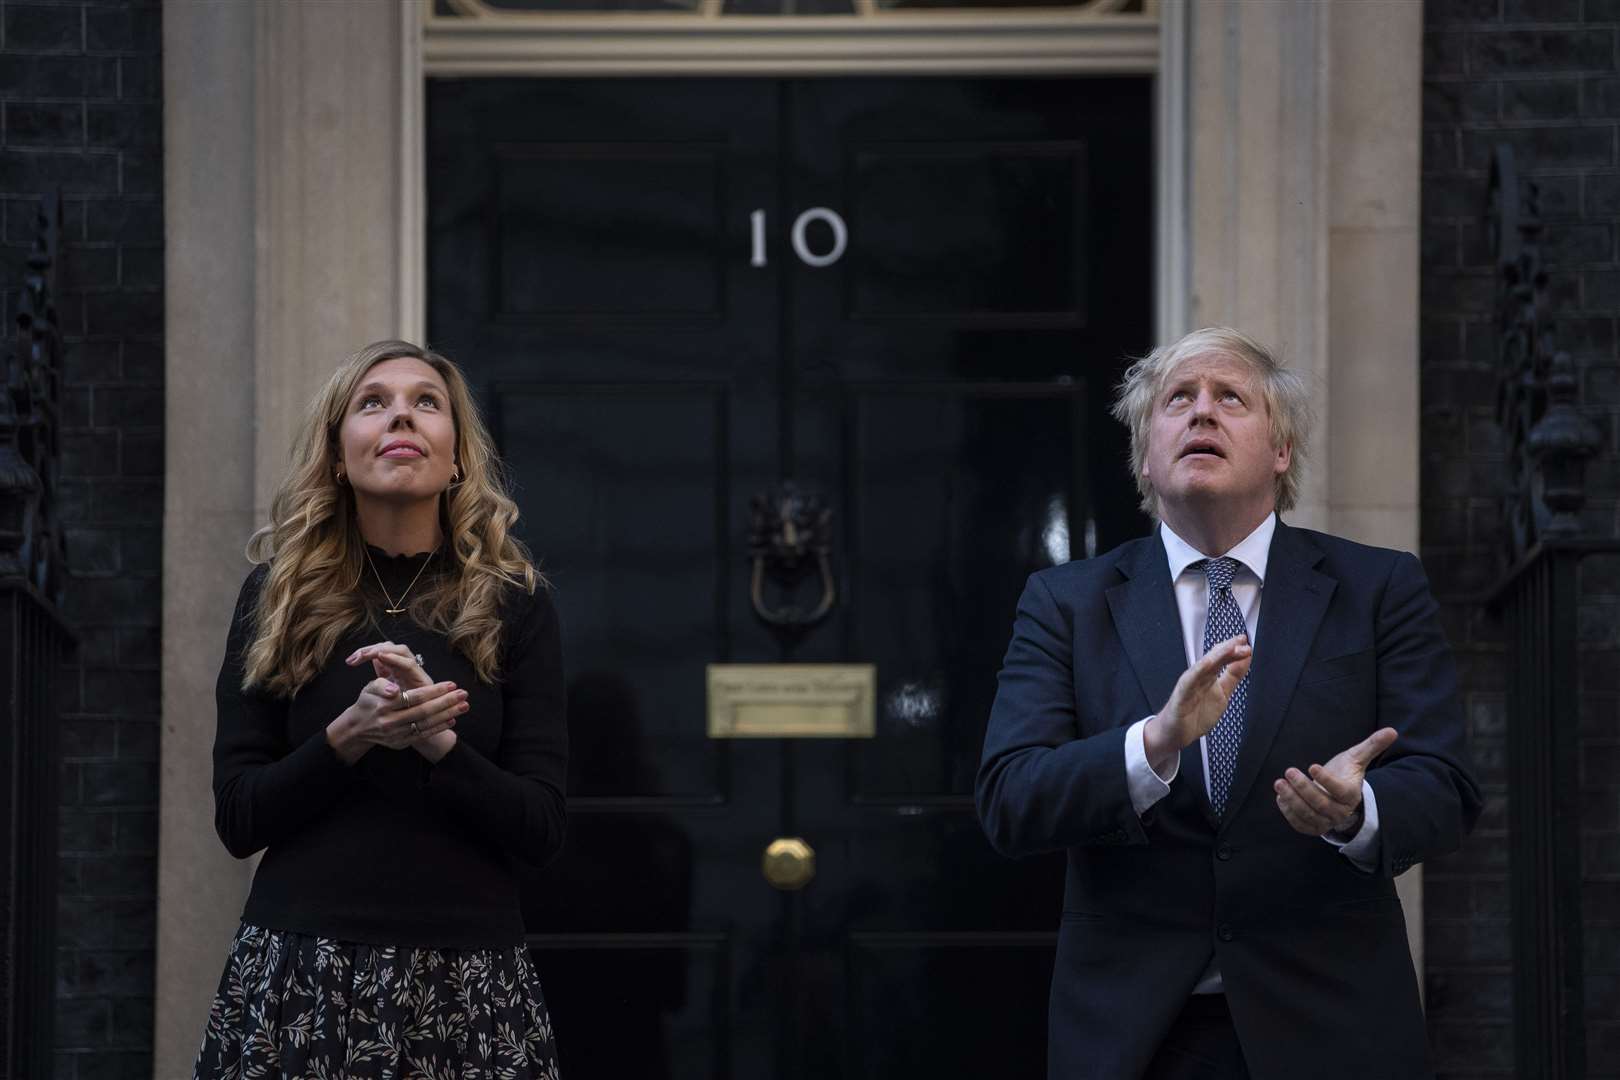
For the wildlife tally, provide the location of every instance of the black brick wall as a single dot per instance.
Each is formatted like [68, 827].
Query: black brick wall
[80, 108]
[1541, 75]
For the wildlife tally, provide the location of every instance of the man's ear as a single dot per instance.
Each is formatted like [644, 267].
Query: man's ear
[1285, 457]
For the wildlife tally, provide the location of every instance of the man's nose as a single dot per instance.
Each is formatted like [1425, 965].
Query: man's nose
[1203, 407]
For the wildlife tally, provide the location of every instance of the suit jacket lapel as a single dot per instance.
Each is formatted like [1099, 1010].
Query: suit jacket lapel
[1146, 619]
[1294, 599]
[1149, 627]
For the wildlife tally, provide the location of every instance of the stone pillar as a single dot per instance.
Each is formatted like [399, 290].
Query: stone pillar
[1302, 148]
[1373, 207]
[208, 490]
[1371, 437]
[283, 132]
[1258, 111]
[328, 159]
[1302, 229]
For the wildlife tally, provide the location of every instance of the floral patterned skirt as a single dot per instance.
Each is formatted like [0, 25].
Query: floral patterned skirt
[295, 1007]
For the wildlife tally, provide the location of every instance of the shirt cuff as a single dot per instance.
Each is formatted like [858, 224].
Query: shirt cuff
[1146, 786]
[1362, 848]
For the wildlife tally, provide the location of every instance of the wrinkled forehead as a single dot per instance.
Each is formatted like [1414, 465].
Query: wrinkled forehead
[1211, 364]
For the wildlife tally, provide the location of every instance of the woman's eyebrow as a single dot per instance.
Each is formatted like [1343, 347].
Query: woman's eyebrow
[377, 386]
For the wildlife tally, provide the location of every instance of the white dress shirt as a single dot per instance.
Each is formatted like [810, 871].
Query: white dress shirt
[1192, 602]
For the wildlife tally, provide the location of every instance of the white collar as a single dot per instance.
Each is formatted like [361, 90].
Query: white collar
[1252, 551]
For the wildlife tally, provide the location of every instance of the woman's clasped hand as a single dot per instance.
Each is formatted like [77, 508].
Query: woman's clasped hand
[399, 708]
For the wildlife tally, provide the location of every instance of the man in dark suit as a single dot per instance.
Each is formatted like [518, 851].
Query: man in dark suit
[1234, 815]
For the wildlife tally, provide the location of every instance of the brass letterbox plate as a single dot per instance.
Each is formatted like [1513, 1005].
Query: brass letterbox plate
[791, 701]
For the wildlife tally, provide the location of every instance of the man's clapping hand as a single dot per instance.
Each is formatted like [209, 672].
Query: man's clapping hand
[1329, 799]
[1196, 704]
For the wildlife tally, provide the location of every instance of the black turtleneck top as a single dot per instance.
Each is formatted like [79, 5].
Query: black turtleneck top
[395, 850]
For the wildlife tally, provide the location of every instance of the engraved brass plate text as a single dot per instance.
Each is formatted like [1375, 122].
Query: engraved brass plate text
[791, 701]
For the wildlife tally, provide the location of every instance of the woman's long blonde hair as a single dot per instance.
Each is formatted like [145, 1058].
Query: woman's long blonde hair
[310, 597]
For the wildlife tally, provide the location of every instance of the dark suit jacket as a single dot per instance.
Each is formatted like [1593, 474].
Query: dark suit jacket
[1312, 950]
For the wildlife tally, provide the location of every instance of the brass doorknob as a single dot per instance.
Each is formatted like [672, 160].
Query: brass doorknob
[788, 863]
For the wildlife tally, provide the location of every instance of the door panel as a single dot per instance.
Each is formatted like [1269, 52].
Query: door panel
[955, 492]
[614, 262]
[638, 476]
[951, 384]
[575, 239]
[651, 1006]
[581, 234]
[981, 204]
[901, 984]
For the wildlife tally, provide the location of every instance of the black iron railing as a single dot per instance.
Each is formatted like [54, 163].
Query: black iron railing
[1548, 444]
[33, 639]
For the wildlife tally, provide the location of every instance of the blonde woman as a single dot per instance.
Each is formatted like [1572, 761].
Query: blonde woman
[383, 936]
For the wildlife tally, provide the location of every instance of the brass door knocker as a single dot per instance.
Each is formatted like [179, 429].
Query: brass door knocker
[790, 538]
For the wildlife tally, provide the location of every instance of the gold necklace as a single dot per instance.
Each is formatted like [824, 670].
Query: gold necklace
[398, 609]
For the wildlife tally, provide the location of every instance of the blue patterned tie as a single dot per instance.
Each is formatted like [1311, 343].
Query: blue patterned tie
[1225, 621]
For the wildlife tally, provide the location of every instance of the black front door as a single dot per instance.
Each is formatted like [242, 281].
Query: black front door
[911, 298]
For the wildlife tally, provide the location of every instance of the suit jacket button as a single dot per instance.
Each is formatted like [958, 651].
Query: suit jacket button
[1225, 932]
[1223, 852]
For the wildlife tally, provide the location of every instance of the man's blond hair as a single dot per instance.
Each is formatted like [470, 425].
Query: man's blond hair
[1284, 391]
